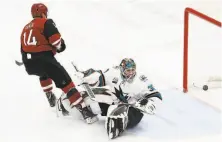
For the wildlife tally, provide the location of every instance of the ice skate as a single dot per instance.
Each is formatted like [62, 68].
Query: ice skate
[87, 114]
[51, 98]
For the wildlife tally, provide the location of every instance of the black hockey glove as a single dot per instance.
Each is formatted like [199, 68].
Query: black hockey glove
[63, 46]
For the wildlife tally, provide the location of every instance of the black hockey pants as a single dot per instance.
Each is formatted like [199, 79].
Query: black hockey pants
[45, 65]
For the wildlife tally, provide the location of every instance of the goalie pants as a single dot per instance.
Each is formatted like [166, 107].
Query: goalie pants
[134, 115]
[45, 65]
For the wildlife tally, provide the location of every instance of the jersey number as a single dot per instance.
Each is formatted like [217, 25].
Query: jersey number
[31, 39]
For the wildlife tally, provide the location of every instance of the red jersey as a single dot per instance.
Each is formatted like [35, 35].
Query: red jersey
[40, 35]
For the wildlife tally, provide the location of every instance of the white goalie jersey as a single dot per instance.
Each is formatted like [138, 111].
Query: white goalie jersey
[138, 88]
[133, 92]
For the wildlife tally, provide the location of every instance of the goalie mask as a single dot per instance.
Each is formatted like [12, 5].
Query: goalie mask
[128, 69]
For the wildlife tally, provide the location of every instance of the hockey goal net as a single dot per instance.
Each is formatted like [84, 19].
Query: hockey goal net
[202, 65]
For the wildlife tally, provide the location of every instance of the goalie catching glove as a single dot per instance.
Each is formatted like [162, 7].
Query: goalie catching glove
[146, 106]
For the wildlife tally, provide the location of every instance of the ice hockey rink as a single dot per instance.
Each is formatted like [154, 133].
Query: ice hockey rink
[99, 33]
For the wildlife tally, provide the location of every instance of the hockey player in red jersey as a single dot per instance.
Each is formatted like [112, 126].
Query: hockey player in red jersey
[40, 41]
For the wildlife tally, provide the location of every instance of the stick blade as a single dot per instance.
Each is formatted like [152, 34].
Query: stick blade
[18, 63]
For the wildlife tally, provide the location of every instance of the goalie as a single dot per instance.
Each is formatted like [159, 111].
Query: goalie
[122, 95]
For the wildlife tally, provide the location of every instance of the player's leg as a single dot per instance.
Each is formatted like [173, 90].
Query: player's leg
[34, 66]
[47, 86]
[63, 81]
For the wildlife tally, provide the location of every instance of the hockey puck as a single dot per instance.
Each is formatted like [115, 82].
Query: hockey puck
[205, 87]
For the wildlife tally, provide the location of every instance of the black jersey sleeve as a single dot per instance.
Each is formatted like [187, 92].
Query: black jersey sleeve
[50, 29]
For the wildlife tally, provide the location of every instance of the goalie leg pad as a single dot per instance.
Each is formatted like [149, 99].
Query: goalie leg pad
[116, 120]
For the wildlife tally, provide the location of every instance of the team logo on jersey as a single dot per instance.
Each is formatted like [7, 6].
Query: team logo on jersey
[119, 94]
[115, 80]
[143, 78]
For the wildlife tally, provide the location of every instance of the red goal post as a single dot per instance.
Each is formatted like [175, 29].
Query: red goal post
[186, 34]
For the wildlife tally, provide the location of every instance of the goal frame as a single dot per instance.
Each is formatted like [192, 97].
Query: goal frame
[211, 20]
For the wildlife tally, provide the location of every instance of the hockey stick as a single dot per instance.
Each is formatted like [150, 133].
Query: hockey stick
[75, 67]
[18, 63]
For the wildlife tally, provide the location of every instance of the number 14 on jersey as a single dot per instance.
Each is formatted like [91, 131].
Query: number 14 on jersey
[31, 39]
